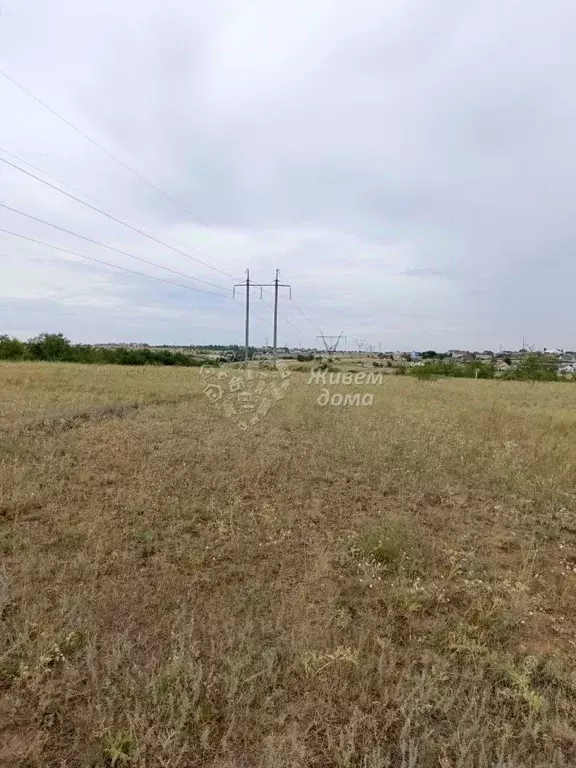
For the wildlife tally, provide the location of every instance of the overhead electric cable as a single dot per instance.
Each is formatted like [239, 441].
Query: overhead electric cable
[108, 264]
[114, 218]
[109, 247]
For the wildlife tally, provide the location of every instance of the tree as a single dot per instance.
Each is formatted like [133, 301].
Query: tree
[535, 366]
[11, 349]
[49, 346]
[428, 355]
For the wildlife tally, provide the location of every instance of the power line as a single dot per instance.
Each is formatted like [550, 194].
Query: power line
[111, 155]
[110, 247]
[114, 218]
[105, 205]
[130, 170]
[299, 308]
[285, 320]
[108, 264]
[227, 274]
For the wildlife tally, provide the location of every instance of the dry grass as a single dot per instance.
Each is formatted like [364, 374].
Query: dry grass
[364, 587]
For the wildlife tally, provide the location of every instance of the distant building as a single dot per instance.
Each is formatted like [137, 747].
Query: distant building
[462, 355]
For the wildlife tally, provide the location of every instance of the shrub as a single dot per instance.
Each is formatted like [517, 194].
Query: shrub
[12, 349]
[56, 347]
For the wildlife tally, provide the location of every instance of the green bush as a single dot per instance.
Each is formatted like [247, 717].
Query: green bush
[12, 349]
[56, 347]
[423, 373]
[534, 367]
[472, 370]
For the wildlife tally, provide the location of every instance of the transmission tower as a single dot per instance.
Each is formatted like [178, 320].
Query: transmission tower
[248, 284]
[331, 342]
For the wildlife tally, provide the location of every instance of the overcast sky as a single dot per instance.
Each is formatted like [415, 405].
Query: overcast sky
[408, 165]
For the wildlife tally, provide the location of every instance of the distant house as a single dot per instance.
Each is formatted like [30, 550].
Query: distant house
[502, 365]
[567, 369]
[462, 355]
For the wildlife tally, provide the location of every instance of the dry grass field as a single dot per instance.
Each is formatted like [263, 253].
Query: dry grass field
[384, 587]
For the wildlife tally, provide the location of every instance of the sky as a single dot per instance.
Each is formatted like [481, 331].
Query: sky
[409, 166]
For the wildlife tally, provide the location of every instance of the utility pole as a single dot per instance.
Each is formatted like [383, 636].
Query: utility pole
[275, 343]
[247, 332]
[276, 285]
[247, 335]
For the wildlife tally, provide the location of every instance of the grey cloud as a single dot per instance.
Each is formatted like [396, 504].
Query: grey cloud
[426, 272]
[351, 146]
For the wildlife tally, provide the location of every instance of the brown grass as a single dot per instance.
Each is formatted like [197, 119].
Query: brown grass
[355, 587]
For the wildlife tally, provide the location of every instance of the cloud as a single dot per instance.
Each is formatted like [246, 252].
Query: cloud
[426, 272]
[351, 146]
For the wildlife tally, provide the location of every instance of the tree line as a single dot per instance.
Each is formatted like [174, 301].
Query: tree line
[55, 347]
[533, 366]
